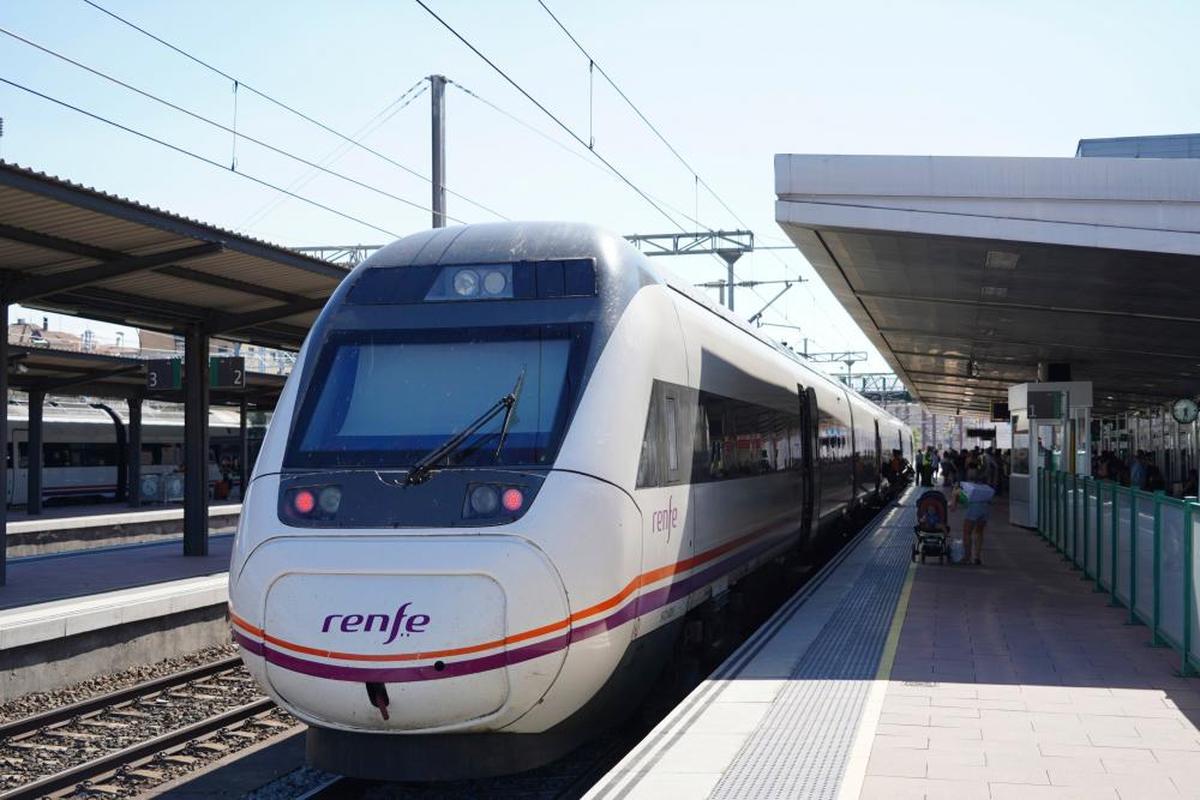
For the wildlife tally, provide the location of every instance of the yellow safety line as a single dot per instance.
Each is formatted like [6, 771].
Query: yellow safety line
[893, 638]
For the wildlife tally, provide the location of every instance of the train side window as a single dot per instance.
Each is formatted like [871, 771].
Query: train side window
[671, 405]
[648, 462]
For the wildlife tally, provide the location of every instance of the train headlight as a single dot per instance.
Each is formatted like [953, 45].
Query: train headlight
[494, 501]
[494, 282]
[480, 282]
[330, 499]
[484, 501]
[311, 503]
[466, 283]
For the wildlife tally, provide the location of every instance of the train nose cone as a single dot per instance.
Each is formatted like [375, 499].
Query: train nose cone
[457, 634]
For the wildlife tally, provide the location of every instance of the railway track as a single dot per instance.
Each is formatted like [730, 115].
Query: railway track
[569, 778]
[119, 743]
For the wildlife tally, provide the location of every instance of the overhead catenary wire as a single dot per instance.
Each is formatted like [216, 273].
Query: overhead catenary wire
[564, 147]
[593, 64]
[220, 126]
[184, 151]
[368, 128]
[584, 159]
[285, 106]
[541, 107]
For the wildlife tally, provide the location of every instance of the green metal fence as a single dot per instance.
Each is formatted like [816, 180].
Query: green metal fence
[1138, 547]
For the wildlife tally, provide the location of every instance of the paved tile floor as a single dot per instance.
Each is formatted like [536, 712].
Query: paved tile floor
[87, 572]
[1015, 680]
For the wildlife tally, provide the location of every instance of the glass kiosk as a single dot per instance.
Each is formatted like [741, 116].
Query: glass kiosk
[1051, 429]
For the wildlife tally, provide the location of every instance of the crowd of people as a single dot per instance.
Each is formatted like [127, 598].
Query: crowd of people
[1141, 472]
[991, 466]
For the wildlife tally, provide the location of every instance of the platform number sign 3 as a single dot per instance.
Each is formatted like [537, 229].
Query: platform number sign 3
[163, 375]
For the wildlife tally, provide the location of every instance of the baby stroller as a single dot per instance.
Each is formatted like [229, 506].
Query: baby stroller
[932, 528]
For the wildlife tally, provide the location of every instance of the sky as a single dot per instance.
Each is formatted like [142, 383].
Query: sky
[728, 84]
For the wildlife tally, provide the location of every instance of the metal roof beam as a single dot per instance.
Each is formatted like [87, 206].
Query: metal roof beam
[140, 311]
[98, 202]
[220, 281]
[991, 340]
[48, 242]
[222, 323]
[38, 285]
[87, 377]
[980, 303]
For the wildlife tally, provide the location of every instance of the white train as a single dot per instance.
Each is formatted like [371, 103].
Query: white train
[84, 451]
[512, 460]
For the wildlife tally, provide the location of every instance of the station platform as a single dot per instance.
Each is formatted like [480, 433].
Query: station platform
[79, 527]
[69, 616]
[887, 679]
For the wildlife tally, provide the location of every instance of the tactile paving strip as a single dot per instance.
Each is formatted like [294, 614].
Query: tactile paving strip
[801, 747]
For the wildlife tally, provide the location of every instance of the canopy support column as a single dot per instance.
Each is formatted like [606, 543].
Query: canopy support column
[195, 442]
[135, 451]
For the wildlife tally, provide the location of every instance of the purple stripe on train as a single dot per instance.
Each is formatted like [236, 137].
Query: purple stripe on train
[643, 604]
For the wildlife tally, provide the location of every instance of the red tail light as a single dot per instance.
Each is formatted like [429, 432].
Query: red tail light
[512, 500]
[304, 502]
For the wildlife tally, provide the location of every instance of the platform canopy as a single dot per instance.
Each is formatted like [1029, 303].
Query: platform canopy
[100, 375]
[68, 248]
[967, 273]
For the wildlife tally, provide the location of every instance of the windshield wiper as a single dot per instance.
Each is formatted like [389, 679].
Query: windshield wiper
[508, 413]
[424, 467]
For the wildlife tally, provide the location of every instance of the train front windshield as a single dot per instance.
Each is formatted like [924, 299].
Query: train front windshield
[388, 399]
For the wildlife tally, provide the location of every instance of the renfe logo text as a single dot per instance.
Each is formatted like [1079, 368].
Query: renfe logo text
[399, 624]
[665, 519]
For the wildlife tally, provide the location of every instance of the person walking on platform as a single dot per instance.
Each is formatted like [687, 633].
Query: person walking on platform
[925, 467]
[948, 476]
[937, 465]
[1137, 471]
[977, 497]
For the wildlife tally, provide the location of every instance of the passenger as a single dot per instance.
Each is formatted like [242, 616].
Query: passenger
[925, 466]
[1137, 471]
[1154, 479]
[977, 497]
[937, 464]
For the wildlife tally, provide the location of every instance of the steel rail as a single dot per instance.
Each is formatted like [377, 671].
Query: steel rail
[10, 730]
[115, 760]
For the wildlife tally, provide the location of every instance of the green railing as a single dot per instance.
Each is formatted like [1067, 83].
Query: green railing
[1138, 547]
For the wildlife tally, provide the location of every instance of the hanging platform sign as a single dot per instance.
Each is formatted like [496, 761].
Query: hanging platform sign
[164, 375]
[226, 372]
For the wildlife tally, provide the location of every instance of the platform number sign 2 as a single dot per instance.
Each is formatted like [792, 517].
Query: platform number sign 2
[164, 375]
[227, 372]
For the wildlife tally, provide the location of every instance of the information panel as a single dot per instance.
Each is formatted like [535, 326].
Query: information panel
[164, 374]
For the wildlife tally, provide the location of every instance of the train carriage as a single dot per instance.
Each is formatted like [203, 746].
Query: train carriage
[511, 461]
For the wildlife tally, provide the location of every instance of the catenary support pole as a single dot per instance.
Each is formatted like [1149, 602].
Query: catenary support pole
[437, 94]
[33, 475]
[135, 451]
[195, 442]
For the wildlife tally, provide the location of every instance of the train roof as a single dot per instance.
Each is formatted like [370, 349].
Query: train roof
[497, 242]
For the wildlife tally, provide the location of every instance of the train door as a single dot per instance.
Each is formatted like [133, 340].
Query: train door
[18, 471]
[808, 445]
[878, 456]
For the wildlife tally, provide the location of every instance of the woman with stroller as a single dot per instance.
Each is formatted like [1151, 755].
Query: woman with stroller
[977, 496]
